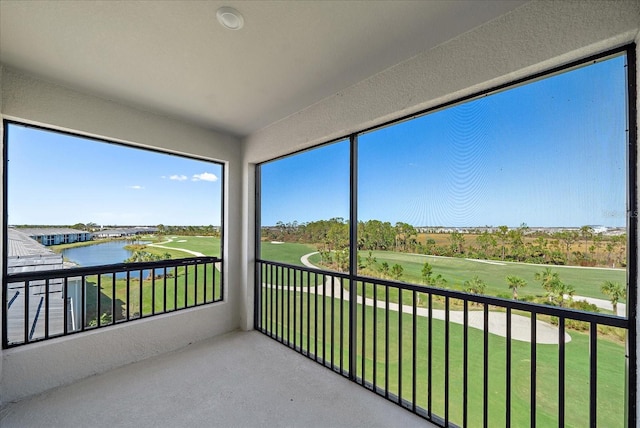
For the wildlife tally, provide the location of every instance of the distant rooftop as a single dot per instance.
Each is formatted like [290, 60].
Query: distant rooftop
[22, 245]
[127, 230]
[25, 254]
[35, 231]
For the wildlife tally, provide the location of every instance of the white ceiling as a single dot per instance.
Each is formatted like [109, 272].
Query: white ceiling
[174, 58]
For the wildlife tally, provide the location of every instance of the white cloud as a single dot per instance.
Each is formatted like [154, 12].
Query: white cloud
[178, 177]
[136, 187]
[205, 176]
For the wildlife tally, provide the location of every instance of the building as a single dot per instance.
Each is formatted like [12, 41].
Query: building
[57, 235]
[123, 232]
[145, 74]
[26, 254]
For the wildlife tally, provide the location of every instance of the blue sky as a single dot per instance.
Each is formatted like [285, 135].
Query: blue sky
[549, 153]
[60, 179]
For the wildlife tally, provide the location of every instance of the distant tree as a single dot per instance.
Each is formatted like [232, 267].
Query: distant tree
[615, 292]
[475, 285]
[547, 277]
[561, 290]
[568, 237]
[427, 270]
[438, 281]
[503, 232]
[456, 240]
[586, 232]
[485, 241]
[396, 271]
[404, 236]
[609, 247]
[515, 282]
[370, 261]
[597, 240]
[429, 246]
[342, 259]
[516, 240]
[384, 268]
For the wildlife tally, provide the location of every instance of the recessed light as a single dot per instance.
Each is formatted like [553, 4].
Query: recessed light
[230, 18]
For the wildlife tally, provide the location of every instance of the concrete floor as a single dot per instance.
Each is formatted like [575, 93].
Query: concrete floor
[241, 379]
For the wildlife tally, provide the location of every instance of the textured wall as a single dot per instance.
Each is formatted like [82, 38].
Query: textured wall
[534, 37]
[31, 369]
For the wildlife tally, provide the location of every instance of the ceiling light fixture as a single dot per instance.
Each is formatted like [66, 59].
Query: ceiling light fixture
[230, 18]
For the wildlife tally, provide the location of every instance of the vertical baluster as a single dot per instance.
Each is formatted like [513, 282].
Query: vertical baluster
[414, 357]
[26, 311]
[534, 342]
[593, 374]
[363, 354]
[399, 345]
[446, 361]
[561, 380]
[386, 342]
[465, 364]
[485, 369]
[430, 356]
[47, 290]
[508, 364]
[375, 337]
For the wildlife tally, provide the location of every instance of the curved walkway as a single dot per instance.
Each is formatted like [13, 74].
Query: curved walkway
[195, 253]
[520, 325]
[602, 304]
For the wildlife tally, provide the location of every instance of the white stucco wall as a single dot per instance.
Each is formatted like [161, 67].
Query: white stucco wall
[31, 369]
[535, 37]
[532, 38]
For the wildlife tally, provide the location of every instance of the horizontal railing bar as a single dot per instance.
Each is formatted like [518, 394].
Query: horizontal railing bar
[106, 269]
[304, 268]
[46, 284]
[273, 283]
[599, 318]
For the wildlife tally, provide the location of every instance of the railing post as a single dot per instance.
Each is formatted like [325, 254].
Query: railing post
[353, 256]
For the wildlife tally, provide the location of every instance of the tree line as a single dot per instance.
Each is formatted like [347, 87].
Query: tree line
[580, 247]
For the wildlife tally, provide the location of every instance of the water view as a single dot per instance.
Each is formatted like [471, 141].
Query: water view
[105, 253]
[99, 254]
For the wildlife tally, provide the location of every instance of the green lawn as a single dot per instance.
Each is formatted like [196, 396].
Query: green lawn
[611, 363]
[286, 252]
[207, 245]
[586, 281]
[181, 291]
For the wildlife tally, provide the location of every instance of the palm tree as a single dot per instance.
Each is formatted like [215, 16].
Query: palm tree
[547, 277]
[586, 232]
[514, 283]
[475, 285]
[615, 292]
[561, 289]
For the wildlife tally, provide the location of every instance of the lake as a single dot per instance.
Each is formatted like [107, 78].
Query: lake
[105, 253]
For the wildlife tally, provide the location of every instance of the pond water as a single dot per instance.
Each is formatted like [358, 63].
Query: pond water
[105, 253]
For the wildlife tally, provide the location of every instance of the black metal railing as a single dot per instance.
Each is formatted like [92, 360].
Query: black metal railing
[44, 304]
[454, 358]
